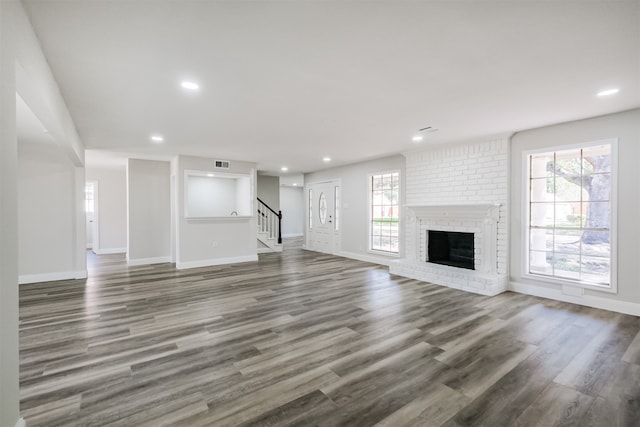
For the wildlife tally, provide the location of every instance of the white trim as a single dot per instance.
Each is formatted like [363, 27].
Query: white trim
[107, 251]
[366, 258]
[21, 422]
[613, 229]
[216, 261]
[52, 277]
[265, 250]
[586, 300]
[386, 254]
[292, 235]
[147, 261]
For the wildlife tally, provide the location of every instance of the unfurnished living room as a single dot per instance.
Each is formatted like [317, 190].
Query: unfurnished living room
[319, 213]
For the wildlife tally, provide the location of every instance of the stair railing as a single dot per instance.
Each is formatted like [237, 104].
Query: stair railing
[269, 221]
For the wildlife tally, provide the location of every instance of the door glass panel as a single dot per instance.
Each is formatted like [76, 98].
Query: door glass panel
[322, 208]
[310, 209]
[89, 197]
[336, 207]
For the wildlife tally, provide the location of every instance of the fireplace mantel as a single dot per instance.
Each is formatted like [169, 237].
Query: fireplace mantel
[479, 218]
[485, 211]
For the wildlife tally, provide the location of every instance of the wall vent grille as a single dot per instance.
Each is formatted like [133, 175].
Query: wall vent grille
[222, 164]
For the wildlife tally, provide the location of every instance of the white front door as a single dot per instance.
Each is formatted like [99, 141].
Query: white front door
[322, 233]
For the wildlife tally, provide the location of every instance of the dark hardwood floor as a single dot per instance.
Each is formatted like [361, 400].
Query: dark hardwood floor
[302, 338]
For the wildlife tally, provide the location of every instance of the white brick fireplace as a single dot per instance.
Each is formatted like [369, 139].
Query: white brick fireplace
[461, 189]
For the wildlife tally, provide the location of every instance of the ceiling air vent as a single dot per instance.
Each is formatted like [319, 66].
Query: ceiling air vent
[222, 164]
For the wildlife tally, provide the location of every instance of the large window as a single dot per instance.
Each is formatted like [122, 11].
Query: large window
[570, 214]
[384, 227]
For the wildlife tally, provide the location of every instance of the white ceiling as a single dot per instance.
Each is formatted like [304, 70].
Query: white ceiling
[287, 83]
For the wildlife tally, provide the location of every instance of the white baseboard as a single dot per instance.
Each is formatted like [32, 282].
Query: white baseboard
[107, 251]
[587, 300]
[265, 250]
[366, 258]
[52, 277]
[216, 261]
[147, 261]
[21, 423]
[292, 235]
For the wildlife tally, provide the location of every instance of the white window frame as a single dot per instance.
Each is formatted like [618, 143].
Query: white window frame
[613, 286]
[370, 216]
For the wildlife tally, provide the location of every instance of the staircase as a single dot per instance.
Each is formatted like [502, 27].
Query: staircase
[269, 229]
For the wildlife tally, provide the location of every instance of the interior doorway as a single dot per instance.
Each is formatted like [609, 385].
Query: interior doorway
[90, 207]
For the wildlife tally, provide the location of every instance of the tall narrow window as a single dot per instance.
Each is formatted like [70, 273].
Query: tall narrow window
[310, 209]
[385, 212]
[336, 207]
[570, 211]
[89, 197]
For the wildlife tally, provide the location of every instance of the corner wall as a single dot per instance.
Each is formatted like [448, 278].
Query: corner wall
[149, 212]
[268, 190]
[292, 206]
[47, 215]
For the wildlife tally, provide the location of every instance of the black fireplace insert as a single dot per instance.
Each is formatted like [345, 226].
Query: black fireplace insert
[451, 248]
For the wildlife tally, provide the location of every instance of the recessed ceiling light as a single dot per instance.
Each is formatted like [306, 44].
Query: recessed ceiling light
[417, 138]
[284, 169]
[294, 184]
[210, 175]
[326, 159]
[157, 138]
[608, 92]
[190, 85]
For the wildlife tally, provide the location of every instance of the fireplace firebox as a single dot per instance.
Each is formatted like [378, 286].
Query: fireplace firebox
[451, 248]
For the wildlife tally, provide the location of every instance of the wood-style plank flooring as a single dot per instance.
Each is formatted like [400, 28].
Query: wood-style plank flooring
[302, 338]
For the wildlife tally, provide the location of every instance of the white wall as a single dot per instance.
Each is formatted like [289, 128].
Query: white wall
[210, 196]
[292, 206]
[269, 191]
[46, 214]
[148, 212]
[210, 241]
[111, 209]
[355, 202]
[626, 127]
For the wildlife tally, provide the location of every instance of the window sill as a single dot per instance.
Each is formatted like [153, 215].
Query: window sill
[611, 289]
[383, 253]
